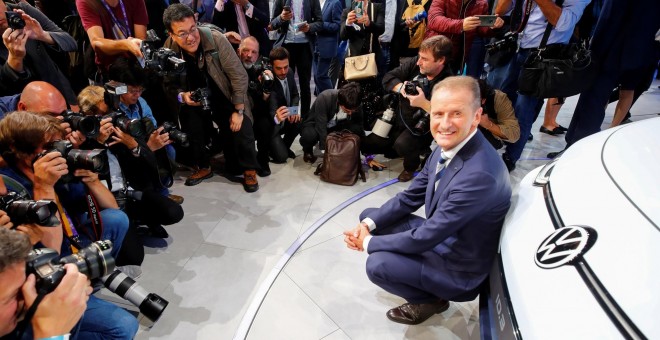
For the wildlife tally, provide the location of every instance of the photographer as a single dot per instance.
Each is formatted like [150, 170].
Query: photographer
[133, 175]
[27, 140]
[333, 110]
[261, 83]
[498, 120]
[410, 137]
[57, 313]
[283, 107]
[212, 64]
[24, 54]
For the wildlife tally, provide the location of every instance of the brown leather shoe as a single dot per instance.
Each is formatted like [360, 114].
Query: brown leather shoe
[309, 157]
[250, 183]
[176, 198]
[198, 176]
[406, 176]
[416, 313]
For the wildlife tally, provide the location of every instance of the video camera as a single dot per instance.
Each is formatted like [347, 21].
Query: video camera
[162, 60]
[24, 211]
[259, 69]
[95, 262]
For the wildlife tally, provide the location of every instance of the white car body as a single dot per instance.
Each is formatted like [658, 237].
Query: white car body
[609, 182]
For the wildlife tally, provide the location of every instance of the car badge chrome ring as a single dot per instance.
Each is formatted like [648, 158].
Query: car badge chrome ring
[564, 246]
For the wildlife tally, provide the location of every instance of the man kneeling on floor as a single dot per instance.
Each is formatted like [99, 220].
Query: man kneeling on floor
[466, 192]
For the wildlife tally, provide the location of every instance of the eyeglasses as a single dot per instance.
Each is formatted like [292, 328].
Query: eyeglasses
[136, 90]
[184, 35]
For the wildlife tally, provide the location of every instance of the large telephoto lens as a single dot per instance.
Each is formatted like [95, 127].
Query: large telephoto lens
[94, 261]
[150, 304]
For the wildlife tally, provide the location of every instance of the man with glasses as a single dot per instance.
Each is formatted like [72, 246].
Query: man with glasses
[333, 110]
[213, 66]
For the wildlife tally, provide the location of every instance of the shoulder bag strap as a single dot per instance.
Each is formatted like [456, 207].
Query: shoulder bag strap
[548, 29]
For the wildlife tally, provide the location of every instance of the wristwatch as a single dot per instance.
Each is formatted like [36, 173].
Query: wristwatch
[240, 111]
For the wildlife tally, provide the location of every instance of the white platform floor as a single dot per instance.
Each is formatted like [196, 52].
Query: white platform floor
[221, 254]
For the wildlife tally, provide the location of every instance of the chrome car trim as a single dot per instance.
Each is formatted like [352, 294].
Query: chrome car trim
[504, 288]
[620, 319]
[543, 176]
[616, 184]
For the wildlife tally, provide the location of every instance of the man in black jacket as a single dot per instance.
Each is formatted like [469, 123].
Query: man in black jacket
[410, 136]
[333, 110]
[24, 52]
[284, 101]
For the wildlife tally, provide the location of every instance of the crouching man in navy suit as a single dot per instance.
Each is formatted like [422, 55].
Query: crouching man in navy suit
[466, 192]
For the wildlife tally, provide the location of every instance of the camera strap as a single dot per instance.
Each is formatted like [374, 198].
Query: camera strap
[69, 230]
[94, 216]
[30, 313]
[528, 10]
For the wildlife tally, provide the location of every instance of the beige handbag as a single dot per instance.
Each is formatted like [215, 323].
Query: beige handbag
[362, 66]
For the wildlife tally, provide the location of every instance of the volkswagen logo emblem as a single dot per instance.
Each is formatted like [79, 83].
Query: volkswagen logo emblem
[564, 245]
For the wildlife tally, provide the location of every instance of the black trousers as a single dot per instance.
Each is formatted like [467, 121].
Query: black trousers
[154, 208]
[280, 145]
[239, 149]
[300, 60]
[404, 143]
[198, 125]
[263, 133]
[308, 138]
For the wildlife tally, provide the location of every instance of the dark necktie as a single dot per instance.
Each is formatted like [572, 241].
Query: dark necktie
[286, 93]
[440, 169]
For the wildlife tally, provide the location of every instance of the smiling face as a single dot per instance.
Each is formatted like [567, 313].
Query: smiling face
[453, 116]
[185, 34]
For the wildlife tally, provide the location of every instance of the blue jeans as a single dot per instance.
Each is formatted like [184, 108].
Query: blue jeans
[115, 225]
[525, 106]
[104, 320]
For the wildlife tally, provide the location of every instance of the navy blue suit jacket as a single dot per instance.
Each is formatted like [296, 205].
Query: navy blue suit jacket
[458, 240]
[327, 39]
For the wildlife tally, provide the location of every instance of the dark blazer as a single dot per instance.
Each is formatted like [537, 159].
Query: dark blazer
[38, 64]
[277, 98]
[358, 41]
[313, 16]
[458, 240]
[256, 25]
[327, 39]
[324, 108]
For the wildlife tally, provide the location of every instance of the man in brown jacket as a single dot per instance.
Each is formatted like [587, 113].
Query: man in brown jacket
[212, 66]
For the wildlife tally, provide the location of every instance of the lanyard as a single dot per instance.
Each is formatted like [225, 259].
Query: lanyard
[126, 29]
[70, 230]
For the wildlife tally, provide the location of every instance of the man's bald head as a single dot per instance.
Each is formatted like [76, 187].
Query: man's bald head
[42, 97]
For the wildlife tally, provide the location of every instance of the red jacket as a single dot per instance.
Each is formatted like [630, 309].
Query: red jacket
[445, 18]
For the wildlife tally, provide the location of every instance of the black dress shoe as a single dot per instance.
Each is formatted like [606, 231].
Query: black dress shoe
[561, 128]
[510, 165]
[416, 313]
[552, 155]
[290, 154]
[406, 175]
[309, 157]
[530, 138]
[264, 171]
[157, 230]
[549, 132]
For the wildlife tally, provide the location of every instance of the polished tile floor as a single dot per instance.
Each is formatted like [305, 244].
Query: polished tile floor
[220, 261]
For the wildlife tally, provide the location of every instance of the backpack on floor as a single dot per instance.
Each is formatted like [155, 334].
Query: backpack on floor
[341, 161]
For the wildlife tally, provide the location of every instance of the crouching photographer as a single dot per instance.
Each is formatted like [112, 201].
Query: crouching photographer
[409, 136]
[57, 313]
[135, 176]
[37, 159]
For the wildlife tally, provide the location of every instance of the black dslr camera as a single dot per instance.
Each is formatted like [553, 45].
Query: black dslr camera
[411, 86]
[423, 122]
[508, 42]
[176, 135]
[259, 69]
[88, 125]
[162, 60]
[94, 160]
[111, 97]
[15, 20]
[24, 211]
[201, 95]
[94, 261]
